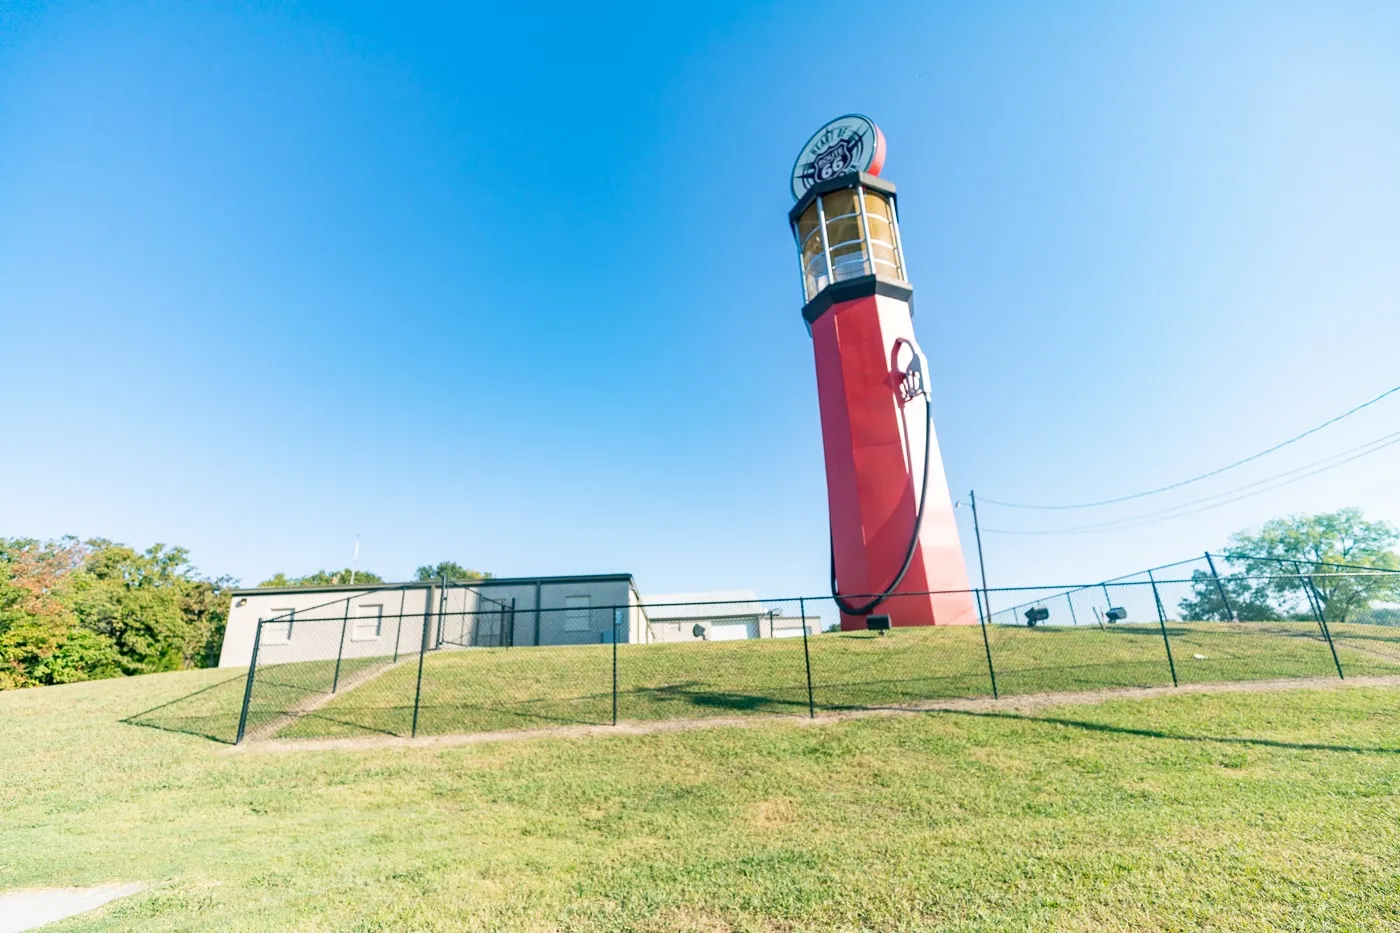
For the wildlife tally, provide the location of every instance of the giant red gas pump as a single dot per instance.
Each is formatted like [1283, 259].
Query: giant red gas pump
[894, 544]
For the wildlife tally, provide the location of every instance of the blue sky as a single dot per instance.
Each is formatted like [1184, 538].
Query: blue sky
[512, 285]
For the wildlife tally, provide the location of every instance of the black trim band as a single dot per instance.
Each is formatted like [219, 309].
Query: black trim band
[851, 289]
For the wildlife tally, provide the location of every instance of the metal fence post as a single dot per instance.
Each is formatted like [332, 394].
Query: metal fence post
[442, 610]
[1229, 610]
[986, 642]
[340, 650]
[422, 650]
[807, 657]
[1322, 621]
[1162, 621]
[617, 617]
[398, 632]
[248, 688]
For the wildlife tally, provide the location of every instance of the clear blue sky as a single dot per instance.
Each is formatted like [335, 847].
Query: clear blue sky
[513, 285]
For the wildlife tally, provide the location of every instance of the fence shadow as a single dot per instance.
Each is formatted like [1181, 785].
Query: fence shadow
[1090, 726]
[210, 712]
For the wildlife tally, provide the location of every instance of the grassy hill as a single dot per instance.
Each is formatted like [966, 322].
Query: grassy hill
[1229, 811]
[497, 688]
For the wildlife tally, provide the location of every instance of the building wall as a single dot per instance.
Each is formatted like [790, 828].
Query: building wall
[380, 621]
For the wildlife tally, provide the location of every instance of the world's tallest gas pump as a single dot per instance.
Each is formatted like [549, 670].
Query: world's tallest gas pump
[894, 544]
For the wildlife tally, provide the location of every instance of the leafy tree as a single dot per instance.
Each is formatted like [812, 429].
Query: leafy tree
[151, 604]
[324, 578]
[451, 569]
[1248, 602]
[73, 610]
[1282, 549]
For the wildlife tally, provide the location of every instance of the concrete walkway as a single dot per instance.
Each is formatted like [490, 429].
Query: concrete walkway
[36, 907]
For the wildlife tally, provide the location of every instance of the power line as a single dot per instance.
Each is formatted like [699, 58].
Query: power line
[1135, 519]
[1148, 518]
[1197, 479]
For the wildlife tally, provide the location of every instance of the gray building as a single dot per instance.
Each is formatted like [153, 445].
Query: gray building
[312, 622]
[307, 623]
[725, 615]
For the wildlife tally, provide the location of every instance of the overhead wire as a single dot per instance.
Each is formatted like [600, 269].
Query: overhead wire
[1147, 518]
[1195, 479]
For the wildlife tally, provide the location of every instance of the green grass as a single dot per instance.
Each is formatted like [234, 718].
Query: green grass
[494, 689]
[1224, 811]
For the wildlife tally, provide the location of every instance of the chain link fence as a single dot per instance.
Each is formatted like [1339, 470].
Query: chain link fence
[445, 658]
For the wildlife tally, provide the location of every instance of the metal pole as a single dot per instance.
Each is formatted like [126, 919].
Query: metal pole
[537, 613]
[442, 611]
[1073, 618]
[422, 650]
[398, 632]
[1229, 610]
[984, 603]
[807, 657]
[981, 562]
[248, 688]
[617, 617]
[1313, 607]
[345, 620]
[1162, 620]
[1326, 632]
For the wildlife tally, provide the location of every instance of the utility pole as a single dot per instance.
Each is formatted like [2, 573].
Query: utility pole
[986, 613]
[981, 563]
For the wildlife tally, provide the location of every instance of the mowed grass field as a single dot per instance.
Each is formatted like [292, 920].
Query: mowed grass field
[494, 689]
[1221, 811]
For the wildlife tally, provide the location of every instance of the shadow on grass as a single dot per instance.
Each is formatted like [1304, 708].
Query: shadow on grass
[210, 712]
[695, 694]
[1088, 726]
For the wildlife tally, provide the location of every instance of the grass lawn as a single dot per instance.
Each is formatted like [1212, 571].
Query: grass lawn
[1226, 811]
[490, 689]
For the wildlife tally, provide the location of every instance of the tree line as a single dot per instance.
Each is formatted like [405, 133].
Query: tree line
[73, 610]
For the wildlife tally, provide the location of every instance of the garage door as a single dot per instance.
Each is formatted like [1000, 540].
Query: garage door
[733, 631]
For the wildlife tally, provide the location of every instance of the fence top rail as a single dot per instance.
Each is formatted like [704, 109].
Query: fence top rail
[1309, 563]
[773, 606]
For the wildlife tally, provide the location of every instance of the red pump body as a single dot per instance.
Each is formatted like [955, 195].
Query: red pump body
[874, 443]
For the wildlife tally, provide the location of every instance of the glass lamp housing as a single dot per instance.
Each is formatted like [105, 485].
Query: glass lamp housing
[845, 234]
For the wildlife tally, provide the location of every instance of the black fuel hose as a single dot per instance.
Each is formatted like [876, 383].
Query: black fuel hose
[867, 608]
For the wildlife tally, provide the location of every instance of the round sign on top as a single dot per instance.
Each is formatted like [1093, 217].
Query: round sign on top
[852, 143]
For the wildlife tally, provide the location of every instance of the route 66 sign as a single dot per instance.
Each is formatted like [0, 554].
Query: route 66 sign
[852, 143]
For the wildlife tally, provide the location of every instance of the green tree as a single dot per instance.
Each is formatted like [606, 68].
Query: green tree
[1248, 602]
[324, 578]
[451, 569]
[40, 639]
[152, 605]
[72, 610]
[1282, 551]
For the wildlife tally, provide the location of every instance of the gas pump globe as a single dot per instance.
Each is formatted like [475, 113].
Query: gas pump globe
[894, 543]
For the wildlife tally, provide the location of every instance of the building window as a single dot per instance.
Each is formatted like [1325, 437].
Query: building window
[278, 632]
[576, 613]
[368, 622]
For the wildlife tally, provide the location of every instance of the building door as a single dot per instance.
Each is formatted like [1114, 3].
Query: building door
[733, 631]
